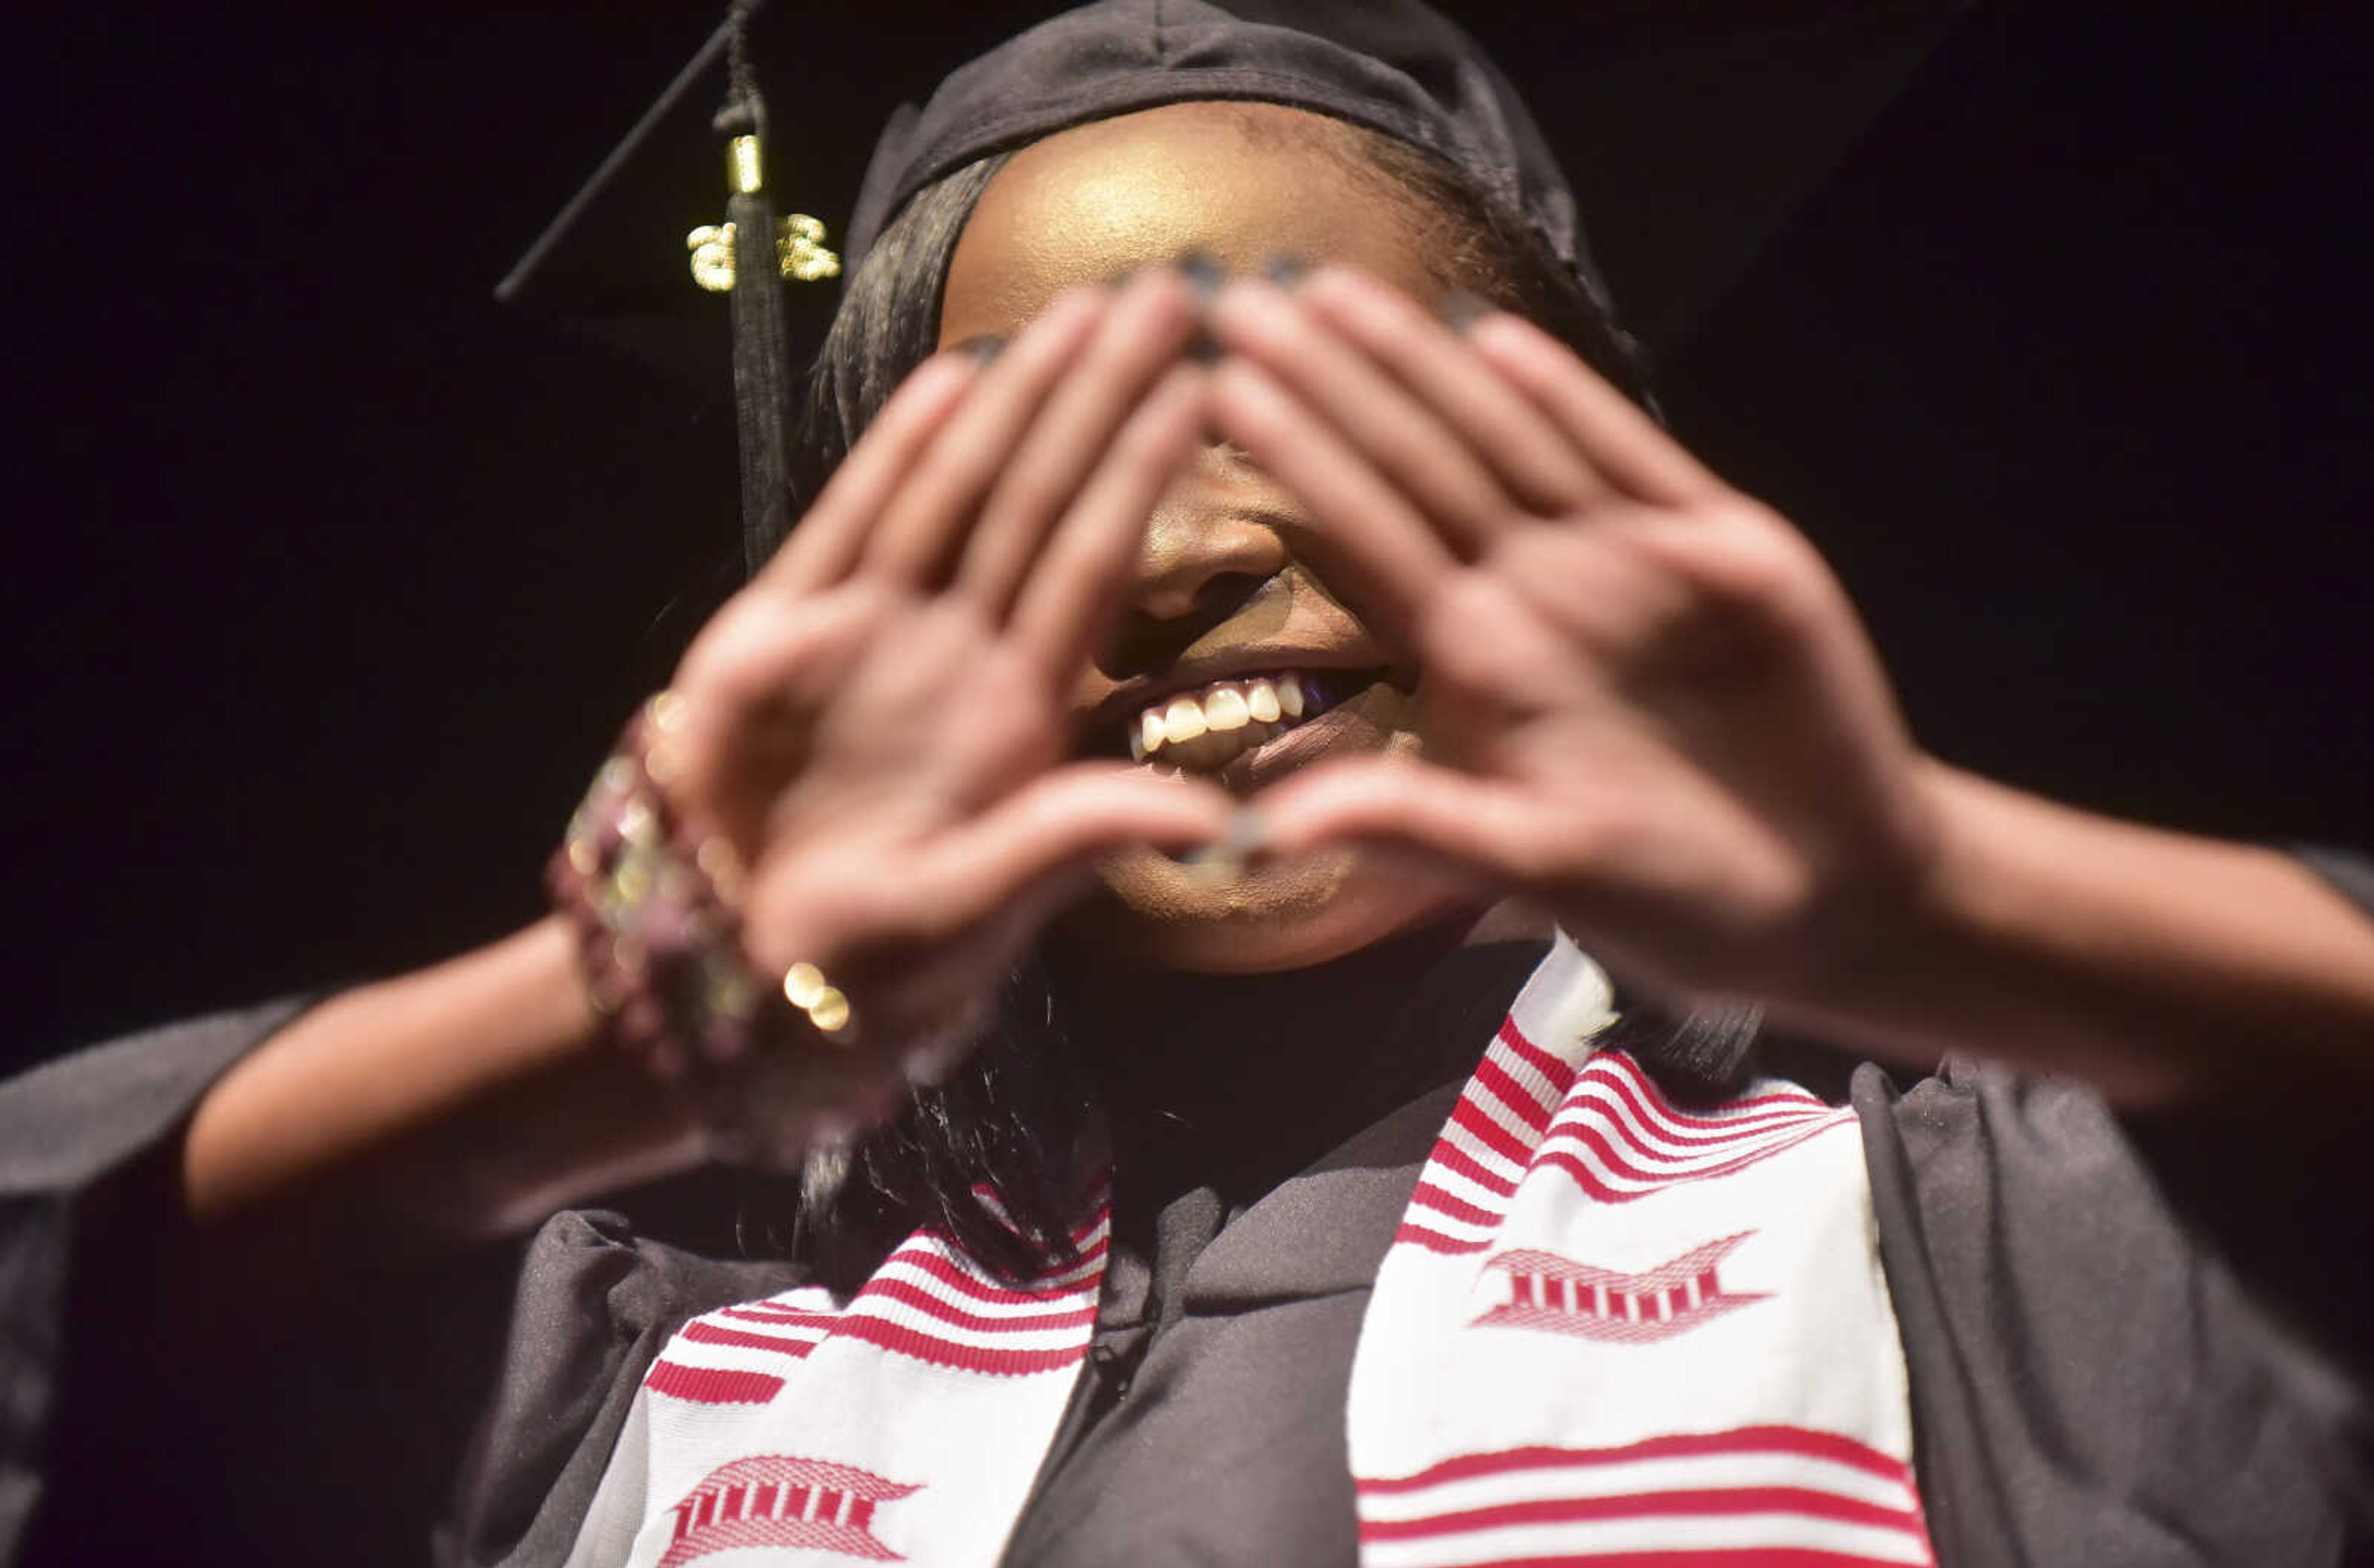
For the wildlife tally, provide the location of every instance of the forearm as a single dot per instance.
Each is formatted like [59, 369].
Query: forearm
[2158, 966]
[469, 1098]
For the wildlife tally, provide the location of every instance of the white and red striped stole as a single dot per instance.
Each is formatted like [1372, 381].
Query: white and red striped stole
[906, 1422]
[1612, 1331]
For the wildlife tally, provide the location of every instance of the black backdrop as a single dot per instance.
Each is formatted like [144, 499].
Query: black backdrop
[329, 579]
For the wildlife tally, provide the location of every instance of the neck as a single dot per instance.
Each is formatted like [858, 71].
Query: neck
[1236, 1082]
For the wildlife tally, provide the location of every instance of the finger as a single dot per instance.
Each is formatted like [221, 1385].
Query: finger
[749, 690]
[1140, 338]
[1065, 819]
[1395, 433]
[1614, 434]
[1371, 537]
[1074, 594]
[1411, 807]
[830, 535]
[923, 521]
[1528, 455]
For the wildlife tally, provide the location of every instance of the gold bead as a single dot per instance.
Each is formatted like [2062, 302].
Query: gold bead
[639, 824]
[666, 712]
[803, 984]
[743, 171]
[799, 242]
[712, 256]
[584, 859]
[830, 1011]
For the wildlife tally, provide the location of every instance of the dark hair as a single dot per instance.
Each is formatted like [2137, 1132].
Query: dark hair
[1012, 1121]
[889, 321]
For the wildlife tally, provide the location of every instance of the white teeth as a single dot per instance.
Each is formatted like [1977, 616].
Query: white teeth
[1204, 729]
[1225, 708]
[1183, 719]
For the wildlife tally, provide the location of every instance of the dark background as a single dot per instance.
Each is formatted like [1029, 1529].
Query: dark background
[331, 579]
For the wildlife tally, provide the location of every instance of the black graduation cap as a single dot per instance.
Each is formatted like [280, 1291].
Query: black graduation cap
[1690, 131]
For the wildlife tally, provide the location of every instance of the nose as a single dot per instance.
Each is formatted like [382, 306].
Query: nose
[1214, 542]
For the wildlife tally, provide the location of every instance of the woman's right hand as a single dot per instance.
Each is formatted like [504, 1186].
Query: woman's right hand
[879, 722]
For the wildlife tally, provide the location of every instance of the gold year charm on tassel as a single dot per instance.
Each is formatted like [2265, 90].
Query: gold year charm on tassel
[799, 244]
[800, 249]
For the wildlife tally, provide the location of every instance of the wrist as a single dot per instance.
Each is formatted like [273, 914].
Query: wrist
[2154, 965]
[2018, 933]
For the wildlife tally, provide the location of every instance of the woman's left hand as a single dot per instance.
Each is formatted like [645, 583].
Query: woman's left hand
[1648, 705]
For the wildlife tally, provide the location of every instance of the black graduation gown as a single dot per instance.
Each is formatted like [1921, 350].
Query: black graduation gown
[2121, 1352]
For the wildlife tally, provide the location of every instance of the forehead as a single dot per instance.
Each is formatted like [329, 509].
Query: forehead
[1241, 181]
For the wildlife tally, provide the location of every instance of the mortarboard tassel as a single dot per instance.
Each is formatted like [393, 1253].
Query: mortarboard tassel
[762, 377]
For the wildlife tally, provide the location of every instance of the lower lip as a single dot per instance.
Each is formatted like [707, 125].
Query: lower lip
[1347, 726]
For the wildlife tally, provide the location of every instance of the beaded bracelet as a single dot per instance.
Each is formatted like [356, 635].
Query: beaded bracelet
[653, 905]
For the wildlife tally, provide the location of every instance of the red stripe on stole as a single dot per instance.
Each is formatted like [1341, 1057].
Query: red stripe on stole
[702, 1333]
[710, 1385]
[1800, 1442]
[1622, 1062]
[947, 1272]
[1598, 1187]
[1435, 1241]
[1660, 1117]
[778, 1315]
[1559, 1073]
[1709, 1557]
[1429, 1195]
[1518, 1099]
[1623, 1156]
[929, 1263]
[1449, 1156]
[1725, 1501]
[908, 1293]
[948, 1352]
[1474, 1120]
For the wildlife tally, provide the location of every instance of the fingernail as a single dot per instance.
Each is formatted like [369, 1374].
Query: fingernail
[1461, 309]
[983, 348]
[1285, 270]
[1203, 274]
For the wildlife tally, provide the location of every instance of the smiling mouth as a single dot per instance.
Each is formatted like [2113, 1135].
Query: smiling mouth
[1204, 728]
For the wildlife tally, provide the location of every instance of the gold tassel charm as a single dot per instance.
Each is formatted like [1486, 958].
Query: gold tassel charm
[799, 242]
[800, 249]
[805, 259]
[712, 256]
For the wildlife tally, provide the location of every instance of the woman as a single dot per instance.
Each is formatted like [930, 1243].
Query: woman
[1204, 527]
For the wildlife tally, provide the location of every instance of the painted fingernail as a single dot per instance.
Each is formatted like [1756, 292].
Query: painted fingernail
[983, 348]
[1203, 274]
[1460, 310]
[1285, 270]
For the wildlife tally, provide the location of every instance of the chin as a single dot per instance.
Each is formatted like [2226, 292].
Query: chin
[1154, 912]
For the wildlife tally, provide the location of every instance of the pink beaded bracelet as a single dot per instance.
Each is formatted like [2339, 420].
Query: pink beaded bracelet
[654, 905]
